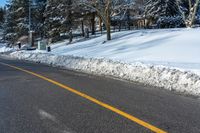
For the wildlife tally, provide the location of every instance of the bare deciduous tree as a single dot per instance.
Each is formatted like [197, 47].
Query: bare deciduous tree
[105, 9]
[190, 18]
[193, 11]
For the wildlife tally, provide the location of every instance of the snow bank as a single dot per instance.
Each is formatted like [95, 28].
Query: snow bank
[164, 58]
[160, 76]
[4, 49]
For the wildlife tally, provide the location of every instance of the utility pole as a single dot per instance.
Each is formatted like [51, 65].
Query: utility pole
[31, 43]
[29, 15]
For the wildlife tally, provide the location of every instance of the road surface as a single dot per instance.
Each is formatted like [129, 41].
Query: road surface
[36, 98]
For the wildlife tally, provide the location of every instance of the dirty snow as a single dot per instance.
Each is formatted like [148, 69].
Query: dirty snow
[164, 58]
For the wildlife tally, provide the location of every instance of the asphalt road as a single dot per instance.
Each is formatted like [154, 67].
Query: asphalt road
[29, 104]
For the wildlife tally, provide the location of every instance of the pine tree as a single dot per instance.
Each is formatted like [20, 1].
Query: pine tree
[16, 24]
[164, 13]
[37, 16]
[2, 14]
[161, 8]
[58, 18]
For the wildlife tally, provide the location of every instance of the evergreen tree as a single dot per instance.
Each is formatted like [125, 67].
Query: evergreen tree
[164, 13]
[58, 18]
[2, 14]
[16, 24]
[37, 16]
[161, 8]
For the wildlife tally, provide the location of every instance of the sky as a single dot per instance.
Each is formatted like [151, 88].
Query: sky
[2, 2]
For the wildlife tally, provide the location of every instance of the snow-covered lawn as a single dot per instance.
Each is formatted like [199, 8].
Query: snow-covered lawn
[175, 48]
[164, 58]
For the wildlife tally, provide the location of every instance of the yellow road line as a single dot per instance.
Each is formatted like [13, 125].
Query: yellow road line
[102, 104]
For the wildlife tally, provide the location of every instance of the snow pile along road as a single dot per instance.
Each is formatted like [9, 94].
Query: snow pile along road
[164, 58]
[171, 79]
[4, 49]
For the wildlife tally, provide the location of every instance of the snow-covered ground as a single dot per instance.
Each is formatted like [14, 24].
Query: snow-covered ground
[4, 49]
[164, 58]
[175, 48]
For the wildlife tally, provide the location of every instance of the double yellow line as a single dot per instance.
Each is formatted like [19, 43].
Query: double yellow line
[102, 104]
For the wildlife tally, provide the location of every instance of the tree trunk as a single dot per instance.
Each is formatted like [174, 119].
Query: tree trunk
[190, 4]
[128, 20]
[100, 24]
[108, 31]
[70, 36]
[194, 13]
[93, 23]
[108, 22]
[82, 27]
[120, 25]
